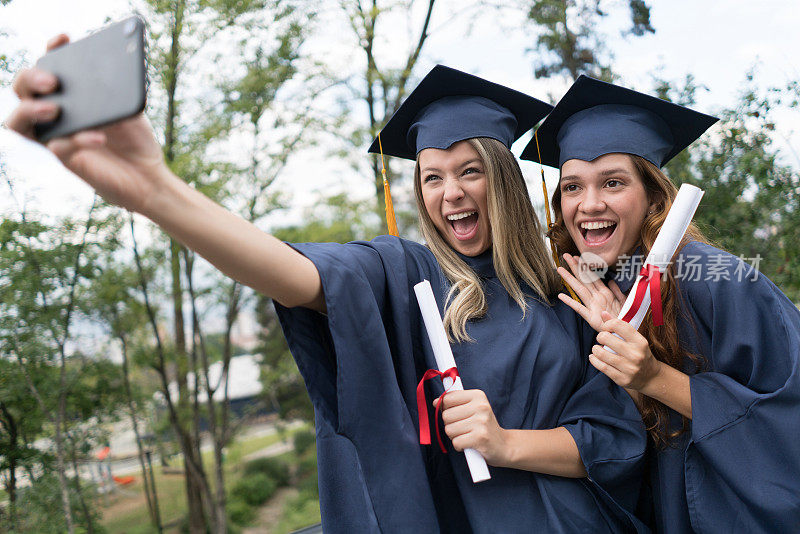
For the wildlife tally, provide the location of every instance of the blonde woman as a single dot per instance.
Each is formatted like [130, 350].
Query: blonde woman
[565, 441]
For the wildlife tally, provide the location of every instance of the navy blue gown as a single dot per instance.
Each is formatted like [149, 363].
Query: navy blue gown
[737, 469]
[361, 364]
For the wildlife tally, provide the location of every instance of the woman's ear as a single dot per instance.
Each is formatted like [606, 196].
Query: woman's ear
[655, 200]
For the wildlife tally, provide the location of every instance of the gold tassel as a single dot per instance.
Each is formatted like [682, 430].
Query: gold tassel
[387, 196]
[549, 219]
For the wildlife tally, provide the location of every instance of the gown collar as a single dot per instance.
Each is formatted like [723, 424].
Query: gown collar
[483, 263]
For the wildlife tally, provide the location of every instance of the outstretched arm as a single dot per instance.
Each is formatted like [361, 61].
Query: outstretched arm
[125, 165]
[235, 246]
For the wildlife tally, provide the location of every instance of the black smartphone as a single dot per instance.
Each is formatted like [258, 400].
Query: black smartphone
[102, 79]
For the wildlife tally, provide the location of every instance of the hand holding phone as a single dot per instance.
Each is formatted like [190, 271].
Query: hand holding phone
[122, 161]
[101, 79]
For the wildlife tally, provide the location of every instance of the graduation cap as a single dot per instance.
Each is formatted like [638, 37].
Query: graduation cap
[595, 118]
[450, 106]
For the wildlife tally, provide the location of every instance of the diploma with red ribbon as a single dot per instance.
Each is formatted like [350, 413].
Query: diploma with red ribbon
[447, 372]
[648, 285]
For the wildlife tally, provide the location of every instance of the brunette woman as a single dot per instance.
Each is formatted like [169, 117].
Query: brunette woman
[718, 383]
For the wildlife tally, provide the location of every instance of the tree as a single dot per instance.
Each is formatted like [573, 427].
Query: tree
[40, 295]
[751, 201]
[21, 423]
[569, 36]
[112, 301]
[383, 86]
[44, 270]
[94, 397]
[269, 35]
[253, 105]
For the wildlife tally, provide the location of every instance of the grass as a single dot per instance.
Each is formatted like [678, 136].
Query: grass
[127, 512]
[299, 512]
[130, 515]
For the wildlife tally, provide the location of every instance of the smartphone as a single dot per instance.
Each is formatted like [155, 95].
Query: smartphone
[102, 79]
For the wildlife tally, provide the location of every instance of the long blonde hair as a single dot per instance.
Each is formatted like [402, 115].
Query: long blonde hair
[518, 249]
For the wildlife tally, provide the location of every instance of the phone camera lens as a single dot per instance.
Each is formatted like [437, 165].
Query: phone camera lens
[130, 27]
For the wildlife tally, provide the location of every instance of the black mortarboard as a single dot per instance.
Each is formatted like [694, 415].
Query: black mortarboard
[450, 106]
[595, 118]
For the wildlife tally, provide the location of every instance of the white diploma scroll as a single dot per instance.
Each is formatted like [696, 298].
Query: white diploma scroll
[444, 361]
[665, 245]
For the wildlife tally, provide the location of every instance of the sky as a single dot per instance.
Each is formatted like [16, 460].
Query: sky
[716, 41]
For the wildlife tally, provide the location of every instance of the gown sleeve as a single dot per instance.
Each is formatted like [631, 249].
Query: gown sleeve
[610, 436]
[358, 365]
[742, 463]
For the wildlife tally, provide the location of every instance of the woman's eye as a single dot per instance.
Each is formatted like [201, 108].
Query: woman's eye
[430, 178]
[472, 170]
[569, 188]
[613, 183]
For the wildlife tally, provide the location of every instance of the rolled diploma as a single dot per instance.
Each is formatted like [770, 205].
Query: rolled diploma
[665, 245]
[444, 361]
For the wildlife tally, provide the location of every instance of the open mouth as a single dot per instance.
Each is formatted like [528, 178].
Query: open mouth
[464, 224]
[597, 232]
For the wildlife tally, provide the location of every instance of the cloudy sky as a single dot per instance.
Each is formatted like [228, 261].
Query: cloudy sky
[717, 41]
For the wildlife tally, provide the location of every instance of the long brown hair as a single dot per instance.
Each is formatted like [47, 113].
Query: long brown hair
[664, 341]
[518, 251]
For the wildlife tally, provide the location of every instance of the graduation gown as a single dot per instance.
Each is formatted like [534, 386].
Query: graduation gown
[361, 364]
[737, 469]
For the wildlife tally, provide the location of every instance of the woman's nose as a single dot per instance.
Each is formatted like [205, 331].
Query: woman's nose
[452, 190]
[592, 201]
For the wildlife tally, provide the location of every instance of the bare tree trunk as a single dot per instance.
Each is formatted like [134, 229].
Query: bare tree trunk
[62, 385]
[195, 479]
[218, 499]
[78, 489]
[222, 434]
[146, 482]
[10, 425]
[61, 468]
[391, 95]
[189, 446]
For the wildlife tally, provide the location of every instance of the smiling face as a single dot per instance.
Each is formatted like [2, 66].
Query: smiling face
[454, 184]
[603, 204]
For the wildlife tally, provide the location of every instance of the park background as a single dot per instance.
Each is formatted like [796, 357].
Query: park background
[267, 106]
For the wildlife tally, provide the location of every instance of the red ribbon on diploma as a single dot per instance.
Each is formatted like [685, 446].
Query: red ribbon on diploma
[651, 276]
[422, 406]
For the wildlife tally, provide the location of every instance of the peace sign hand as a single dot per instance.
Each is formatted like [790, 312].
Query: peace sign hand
[595, 295]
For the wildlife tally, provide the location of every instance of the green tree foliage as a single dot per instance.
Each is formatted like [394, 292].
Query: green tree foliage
[569, 37]
[37, 516]
[752, 196]
[21, 423]
[46, 269]
[114, 303]
[243, 100]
